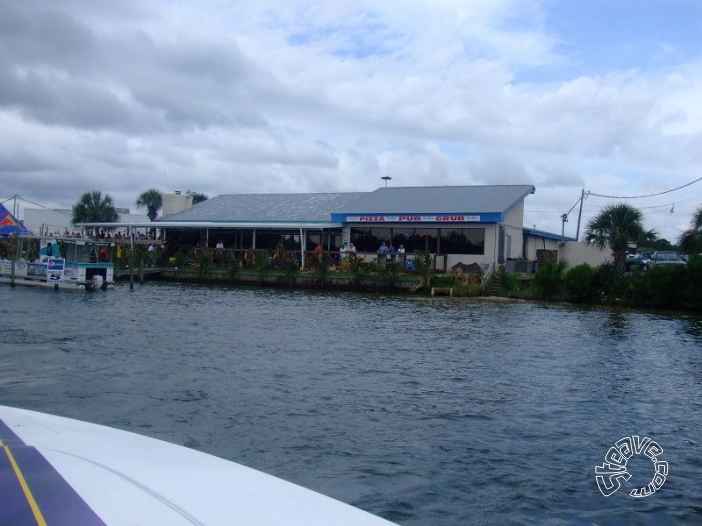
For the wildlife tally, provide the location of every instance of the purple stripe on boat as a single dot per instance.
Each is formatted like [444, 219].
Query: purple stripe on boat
[14, 508]
[59, 503]
[8, 436]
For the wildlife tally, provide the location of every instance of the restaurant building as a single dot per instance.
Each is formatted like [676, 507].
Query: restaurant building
[457, 224]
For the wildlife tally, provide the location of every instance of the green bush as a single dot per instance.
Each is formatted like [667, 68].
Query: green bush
[693, 290]
[324, 263]
[424, 260]
[548, 280]
[578, 282]
[510, 282]
[608, 283]
[391, 272]
[665, 286]
[179, 259]
[468, 291]
[291, 266]
[204, 263]
[635, 294]
[444, 280]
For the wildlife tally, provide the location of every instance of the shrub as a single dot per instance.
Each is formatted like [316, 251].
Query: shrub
[391, 272]
[608, 282]
[232, 270]
[468, 291]
[443, 281]
[693, 291]
[204, 263]
[578, 282]
[665, 286]
[324, 263]
[179, 259]
[548, 281]
[423, 261]
[636, 294]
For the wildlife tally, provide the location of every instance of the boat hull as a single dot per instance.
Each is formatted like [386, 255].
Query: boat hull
[118, 478]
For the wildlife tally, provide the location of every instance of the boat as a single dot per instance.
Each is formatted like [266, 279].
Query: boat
[61, 263]
[56, 470]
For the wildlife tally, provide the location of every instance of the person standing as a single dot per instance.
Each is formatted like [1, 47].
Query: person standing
[401, 255]
[342, 252]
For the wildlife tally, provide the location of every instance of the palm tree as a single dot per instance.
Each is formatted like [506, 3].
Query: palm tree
[92, 207]
[197, 196]
[615, 227]
[152, 200]
[690, 241]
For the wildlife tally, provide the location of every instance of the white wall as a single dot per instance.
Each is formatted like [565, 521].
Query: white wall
[175, 203]
[576, 252]
[490, 255]
[535, 243]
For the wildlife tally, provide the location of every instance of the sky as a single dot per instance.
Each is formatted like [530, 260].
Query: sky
[263, 96]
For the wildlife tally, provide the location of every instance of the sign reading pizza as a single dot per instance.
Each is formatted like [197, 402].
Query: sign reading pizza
[434, 218]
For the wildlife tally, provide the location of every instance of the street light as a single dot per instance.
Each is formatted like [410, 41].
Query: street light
[386, 178]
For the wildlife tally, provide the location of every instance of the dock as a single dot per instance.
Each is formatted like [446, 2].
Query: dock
[151, 271]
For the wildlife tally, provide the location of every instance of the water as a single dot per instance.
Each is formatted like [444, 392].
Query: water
[423, 411]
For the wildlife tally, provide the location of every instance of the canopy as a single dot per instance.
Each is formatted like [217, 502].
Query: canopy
[9, 225]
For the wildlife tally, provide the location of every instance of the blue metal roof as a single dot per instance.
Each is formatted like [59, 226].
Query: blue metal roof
[546, 235]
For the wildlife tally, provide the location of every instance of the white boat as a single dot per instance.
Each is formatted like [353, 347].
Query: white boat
[60, 263]
[55, 470]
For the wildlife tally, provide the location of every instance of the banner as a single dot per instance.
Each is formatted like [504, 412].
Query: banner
[54, 269]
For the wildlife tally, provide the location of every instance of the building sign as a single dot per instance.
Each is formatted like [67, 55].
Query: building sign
[54, 269]
[434, 218]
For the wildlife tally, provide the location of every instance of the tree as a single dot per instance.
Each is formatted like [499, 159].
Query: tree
[152, 200]
[615, 227]
[92, 207]
[690, 241]
[197, 196]
[662, 244]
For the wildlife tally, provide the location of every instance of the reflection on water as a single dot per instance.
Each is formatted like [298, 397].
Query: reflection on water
[424, 411]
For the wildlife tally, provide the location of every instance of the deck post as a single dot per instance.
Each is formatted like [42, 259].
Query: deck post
[303, 246]
[131, 260]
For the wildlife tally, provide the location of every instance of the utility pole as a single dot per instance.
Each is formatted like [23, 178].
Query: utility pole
[580, 214]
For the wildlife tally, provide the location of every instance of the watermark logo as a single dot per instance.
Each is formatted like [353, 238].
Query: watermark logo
[609, 474]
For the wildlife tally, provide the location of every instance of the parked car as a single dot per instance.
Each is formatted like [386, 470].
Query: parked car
[640, 261]
[667, 258]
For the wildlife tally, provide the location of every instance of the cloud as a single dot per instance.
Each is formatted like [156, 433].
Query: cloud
[307, 96]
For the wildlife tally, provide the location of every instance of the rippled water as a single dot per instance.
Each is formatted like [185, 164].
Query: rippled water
[424, 411]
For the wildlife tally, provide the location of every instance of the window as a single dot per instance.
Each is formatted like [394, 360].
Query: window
[369, 239]
[463, 241]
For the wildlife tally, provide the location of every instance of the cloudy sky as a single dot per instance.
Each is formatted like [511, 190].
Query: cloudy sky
[329, 96]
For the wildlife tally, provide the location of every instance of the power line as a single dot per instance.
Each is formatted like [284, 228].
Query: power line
[642, 196]
[36, 204]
